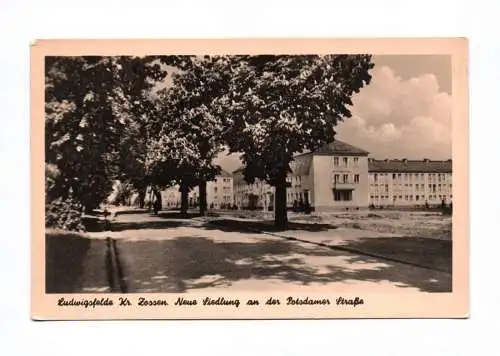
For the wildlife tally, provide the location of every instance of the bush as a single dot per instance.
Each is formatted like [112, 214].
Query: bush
[64, 214]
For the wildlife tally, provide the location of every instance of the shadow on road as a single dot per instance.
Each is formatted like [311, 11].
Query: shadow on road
[72, 262]
[433, 253]
[187, 263]
[264, 226]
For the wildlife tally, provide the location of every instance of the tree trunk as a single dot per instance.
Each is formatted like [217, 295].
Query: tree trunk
[158, 202]
[203, 197]
[280, 213]
[142, 197]
[184, 198]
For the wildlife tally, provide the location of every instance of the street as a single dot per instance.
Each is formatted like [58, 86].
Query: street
[163, 254]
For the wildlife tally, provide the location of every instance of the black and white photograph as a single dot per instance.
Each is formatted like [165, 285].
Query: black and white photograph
[172, 174]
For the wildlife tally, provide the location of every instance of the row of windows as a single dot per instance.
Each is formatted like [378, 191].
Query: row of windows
[346, 178]
[410, 176]
[342, 195]
[410, 185]
[291, 196]
[345, 162]
[409, 197]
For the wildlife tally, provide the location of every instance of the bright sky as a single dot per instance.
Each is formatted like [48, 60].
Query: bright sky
[405, 112]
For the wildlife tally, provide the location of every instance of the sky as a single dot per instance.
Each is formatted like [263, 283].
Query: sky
[405, 112]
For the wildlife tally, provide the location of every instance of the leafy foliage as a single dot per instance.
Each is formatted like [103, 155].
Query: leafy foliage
[282, 105]
[190, 135]
[278, 106]
[61, 213]
[95, 111]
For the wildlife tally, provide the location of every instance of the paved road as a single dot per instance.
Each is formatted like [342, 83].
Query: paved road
[173, 255]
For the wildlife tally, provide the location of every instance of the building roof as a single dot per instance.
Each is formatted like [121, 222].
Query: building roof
[409, 166]
[341, 148]
[224, 173]
[336, 147]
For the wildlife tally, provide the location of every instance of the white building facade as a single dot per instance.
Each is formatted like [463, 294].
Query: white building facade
[410, 182]
[330, 179]
[219, 194]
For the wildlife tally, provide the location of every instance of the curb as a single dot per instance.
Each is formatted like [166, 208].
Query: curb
[116, 277]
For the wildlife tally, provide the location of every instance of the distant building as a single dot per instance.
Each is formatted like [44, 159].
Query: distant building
[171, 198]
[219, 194]
[332, 178]
[410, 182]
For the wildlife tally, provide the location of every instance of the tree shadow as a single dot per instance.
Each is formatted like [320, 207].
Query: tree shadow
[69, 257]
[432, 253]
[177, 215]
[264, 226]
[194, 262]
[138, 225]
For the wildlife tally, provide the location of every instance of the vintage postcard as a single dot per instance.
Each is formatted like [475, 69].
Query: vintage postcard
[250, 179]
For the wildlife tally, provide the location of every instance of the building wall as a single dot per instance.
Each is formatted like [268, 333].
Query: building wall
[410, 189]
[339, 174]
[314, 184]
[219, 192]
[300, 187]
[171, 198]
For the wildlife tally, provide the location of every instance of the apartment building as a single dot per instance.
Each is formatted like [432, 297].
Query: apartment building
[410, 182]
[334, 177]
[219, 193]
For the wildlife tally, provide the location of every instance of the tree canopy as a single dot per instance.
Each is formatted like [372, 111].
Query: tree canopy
[104, 120]
[278, 106]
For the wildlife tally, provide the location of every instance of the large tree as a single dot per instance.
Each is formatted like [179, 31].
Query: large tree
[282, 105]
[192, 106]
[94, 107]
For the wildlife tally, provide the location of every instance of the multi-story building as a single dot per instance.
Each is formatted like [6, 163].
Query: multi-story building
[219, 193]
[410, 182]
[333, 178]
[171, 198]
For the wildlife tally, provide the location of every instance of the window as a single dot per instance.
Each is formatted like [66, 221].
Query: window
[400, 197]
[399, 175]
[394, 176]
[387, 188]
[336, 178]
[335, 161]
[375, 177]
[345, 160]
[356, 178]
[345, 178]
[215, 190]
[356, 161]
[416, 197]
[342, 195]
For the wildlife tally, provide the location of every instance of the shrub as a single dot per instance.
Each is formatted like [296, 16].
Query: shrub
[64, 214]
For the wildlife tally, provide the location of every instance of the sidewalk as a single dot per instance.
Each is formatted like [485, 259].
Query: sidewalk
[416, 251]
